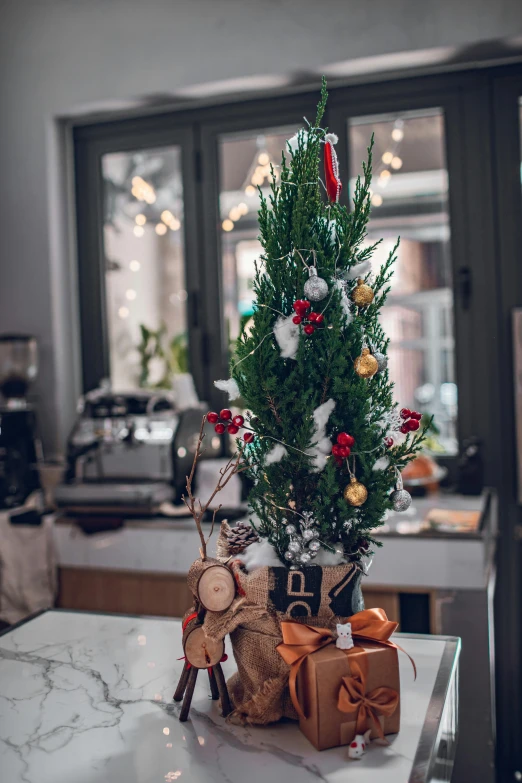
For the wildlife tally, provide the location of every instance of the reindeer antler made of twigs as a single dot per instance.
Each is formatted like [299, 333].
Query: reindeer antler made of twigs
[234, 466]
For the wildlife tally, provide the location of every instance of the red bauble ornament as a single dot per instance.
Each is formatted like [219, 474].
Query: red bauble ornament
[297, 319]
[344, 452]
[232, 429]
[405, 413]
[212, 417]
[238, 420]
[220, 429]
[388, 442]
[225, 414]
[404, 428]
[413, 425]
[248, 437]
[343, 439]
[309, 329]
[335, 450]
[416, 415]
[313, 317]
[331, 168]
[319, 319]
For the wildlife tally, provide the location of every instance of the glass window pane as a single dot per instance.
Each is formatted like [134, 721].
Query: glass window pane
[244, 161]
[410, 200]
[145, 268]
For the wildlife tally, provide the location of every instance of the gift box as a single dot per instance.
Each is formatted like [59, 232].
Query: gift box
[364, 679]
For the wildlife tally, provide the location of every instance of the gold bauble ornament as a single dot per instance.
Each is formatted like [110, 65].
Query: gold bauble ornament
[366, 365]
[355, 493]
[362, 295]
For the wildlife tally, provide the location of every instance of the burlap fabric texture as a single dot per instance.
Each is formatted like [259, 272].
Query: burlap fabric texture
[320, 596]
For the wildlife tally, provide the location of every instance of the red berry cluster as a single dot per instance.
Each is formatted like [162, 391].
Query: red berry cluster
[311, 320]
[224, 421]
[342, 449]
[411, 420]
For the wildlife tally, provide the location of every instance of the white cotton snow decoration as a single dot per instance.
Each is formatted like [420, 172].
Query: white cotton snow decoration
[327, 558]
[276, 454]
[345, 303]
[287, 336]
[293, 143]
[381, 464]
[230, 387]
[359, 270]
[322, 447]
[260, 553]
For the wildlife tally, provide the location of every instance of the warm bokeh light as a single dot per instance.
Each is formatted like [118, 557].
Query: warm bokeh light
[130, 294]
[396, 162]
[135, 266]
[227, 225]
[140, 219]
[160, 229]
[387, 157]
[123, 312]
[138, 231]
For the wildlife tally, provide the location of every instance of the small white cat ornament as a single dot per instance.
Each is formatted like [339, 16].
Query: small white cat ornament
[344, 636]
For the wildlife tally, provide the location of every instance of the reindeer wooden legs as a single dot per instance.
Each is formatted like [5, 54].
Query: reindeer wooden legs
[201, 653]
[186, 685]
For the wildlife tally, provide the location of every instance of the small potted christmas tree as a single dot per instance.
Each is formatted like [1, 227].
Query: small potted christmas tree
[325, 441]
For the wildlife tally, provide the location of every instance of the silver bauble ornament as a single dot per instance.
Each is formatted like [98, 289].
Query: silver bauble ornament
[294, 546]
[382, 360]
[305, 557]
[316, 533]
[308, 534]
[401, 499]
[314, 546]
[290, 530]
[347, 525]
[315, 287]
[289, 555]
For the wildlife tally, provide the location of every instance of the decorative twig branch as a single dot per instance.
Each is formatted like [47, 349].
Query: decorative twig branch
[198, 510]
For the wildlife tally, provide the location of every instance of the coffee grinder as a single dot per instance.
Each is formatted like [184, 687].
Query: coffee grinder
[19, 447]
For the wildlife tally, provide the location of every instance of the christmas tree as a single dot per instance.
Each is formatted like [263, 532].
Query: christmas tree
[330, 441]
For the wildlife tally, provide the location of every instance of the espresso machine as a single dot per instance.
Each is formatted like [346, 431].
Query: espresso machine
[20, 448]
[129, 453]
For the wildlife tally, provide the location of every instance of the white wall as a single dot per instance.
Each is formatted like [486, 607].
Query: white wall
[63, 57]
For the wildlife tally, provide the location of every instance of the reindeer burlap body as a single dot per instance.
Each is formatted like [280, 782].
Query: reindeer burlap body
[321, 596]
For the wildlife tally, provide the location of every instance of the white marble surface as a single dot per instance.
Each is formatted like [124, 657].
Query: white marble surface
[170, 547]
[88, 698]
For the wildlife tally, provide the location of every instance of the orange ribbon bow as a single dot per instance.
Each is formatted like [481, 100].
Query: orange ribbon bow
[300, 640]
[368, 706]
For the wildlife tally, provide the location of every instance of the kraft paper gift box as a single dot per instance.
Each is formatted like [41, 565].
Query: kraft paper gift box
[319, 681]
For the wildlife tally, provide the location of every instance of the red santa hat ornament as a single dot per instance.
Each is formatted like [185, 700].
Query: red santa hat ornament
[331, 168]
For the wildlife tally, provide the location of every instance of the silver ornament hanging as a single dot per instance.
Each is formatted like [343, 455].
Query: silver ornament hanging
[294, 546]
[347, 526]
[290, 530]
[382, 361]
[400, 497]
[289, 555]
[305, 557]
[314, 546]
[308, 534]
[401, 500]
[315, 287]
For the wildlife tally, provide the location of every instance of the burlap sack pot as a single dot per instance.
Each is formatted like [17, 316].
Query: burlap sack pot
[321, 596]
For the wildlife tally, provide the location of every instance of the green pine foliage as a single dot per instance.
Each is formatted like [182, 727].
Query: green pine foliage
[282, 394]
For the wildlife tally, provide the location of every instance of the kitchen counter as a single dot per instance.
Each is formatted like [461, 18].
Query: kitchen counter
[88, 698]
[160, 545]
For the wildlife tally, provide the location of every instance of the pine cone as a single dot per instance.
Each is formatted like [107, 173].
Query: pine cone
[241, 536]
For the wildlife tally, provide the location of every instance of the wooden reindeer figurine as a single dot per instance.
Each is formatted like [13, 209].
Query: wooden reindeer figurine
[214, 589]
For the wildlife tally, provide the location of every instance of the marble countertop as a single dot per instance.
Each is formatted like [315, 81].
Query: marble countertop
[88, 698]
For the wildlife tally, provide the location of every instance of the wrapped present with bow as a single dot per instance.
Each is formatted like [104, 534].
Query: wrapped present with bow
[339, 693]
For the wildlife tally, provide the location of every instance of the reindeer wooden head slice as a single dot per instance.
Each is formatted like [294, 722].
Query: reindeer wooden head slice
[212, 584]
